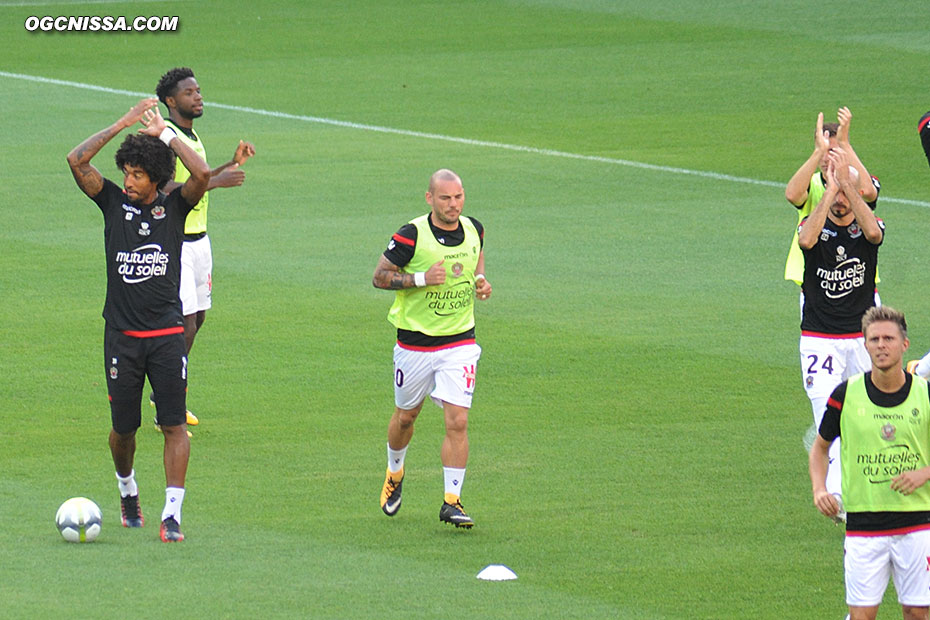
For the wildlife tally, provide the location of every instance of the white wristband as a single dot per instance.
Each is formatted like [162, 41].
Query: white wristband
[419, 278]
[167, 135]
[479, 276]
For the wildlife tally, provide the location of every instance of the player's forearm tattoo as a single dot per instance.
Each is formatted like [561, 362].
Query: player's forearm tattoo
[392, 280]
[399, 281]
[93, 144]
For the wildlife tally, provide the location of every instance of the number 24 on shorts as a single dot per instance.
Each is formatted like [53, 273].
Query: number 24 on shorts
[826, 365]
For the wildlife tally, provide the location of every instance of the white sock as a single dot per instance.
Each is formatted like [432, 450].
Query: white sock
[174, 497]
[127, 485]
[454, 479]
[396, 459]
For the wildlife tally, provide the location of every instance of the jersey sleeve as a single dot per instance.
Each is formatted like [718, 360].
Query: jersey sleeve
[175, 197]
[480, 228]
[830, 425]
[402, 245]
[878, 190]
[109, 196]
[923, 127]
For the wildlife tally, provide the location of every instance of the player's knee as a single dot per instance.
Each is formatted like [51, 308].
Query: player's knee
[406, 417]
[457, 421]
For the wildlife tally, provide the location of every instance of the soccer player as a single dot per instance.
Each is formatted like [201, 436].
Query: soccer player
[435, 265]
[840, 241]
[143, 232]
[806, 186]
[883, 417]
[179, 91]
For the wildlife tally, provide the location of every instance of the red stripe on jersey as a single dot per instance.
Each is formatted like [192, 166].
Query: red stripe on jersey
[834, 336]
[439, 348]
[155, 333]
[923, 123]
[403, 240]
[832, 402]
[893, 532]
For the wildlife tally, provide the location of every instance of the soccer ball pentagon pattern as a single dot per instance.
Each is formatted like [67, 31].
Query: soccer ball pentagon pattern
[78, 520]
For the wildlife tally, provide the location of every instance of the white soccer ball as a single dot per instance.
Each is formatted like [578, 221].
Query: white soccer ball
[78, 520]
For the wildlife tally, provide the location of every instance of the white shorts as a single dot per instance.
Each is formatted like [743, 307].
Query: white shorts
[827, 362]
[870, 560]
[196, 276]
[447, 375]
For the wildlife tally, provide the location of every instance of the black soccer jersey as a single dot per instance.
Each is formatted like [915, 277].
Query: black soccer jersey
[143, 253]
[403, 243]
[839, 279]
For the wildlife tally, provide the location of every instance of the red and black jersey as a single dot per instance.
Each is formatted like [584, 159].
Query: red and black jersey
[839, 280]
[923, 128]
[404, 241]
[143, 254]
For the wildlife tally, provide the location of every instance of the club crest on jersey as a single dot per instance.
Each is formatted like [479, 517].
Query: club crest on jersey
[809, 381]
[840, 254]
[144, 231]
[114, 372]
[158, 212]
[888, 431]
[854, 230]
[457, 269]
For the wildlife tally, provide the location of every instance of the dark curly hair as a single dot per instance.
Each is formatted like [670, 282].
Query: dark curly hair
[147, 153]
[168, 83]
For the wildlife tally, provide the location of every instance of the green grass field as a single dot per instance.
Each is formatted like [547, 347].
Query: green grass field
[636, 431]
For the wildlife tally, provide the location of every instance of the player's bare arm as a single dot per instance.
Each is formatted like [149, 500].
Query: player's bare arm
[818, 460]
[812, 226]
[798, 184]
[388, 276]
[866, 188]
[196, 185]
[840, 162]
[86, 175]
[229, 174]
[482, 286]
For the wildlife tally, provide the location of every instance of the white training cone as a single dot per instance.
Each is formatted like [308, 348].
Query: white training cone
[496, 572]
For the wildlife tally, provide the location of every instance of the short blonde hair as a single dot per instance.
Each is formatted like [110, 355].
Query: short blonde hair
[884, 313]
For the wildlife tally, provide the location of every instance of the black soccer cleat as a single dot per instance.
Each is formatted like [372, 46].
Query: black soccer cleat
[130, 511]
[171, 531]
[455, 514]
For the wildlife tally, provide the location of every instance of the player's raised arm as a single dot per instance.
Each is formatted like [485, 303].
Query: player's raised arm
[865, 186]
[86, 175]
[196, 185]
[799, 183]
[845, 174]
[813, 224]
[229, 174]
